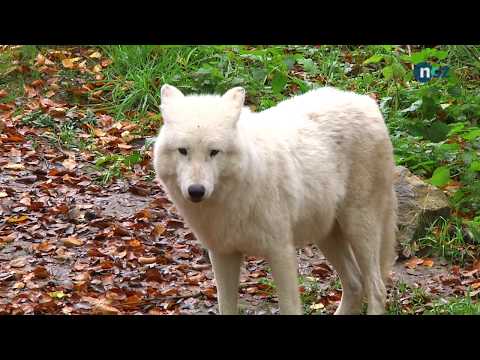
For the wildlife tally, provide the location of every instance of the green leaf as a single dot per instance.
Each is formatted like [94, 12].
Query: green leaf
[101, 160]
[373, 59]
[133, 158]
[437, 131]
[259, 74]
[472, 135]
[449, 148]
[388, 72]
[455, 91]
[456, 128]
[418, 57]
[398, 70]
[289, 61]
[279, 81]
[439, 54]
[475, 166]
[308, 65]
[441, 176]
[429, 107]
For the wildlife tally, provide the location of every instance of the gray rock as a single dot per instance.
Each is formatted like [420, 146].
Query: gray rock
[419, 205]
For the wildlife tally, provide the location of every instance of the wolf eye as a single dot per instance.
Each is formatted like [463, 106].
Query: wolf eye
[214, 152]
[182, 151]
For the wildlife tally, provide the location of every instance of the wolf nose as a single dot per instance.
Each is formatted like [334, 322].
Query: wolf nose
[196, 192]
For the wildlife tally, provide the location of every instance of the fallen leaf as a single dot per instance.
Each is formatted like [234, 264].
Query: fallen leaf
[106, 62]
[104, 309]
[19, 285]
[120, 230]
[85, 276]
[18, 262]
[210, 293]
[124, 146]
[41, 273]
[57, 294]
[57, 111]
[40, 60]
[14, 166]
[68, 63]
[69, 163]
[195, 279]
[147, 260]
[3, 93]
[134, 243]
[26, 201]
[99, 132]
[96, 55]
[476, 265]
[30, 91]
[158, 230]
[153, 275]
[413, 262]
[428, 262]
[137, 190]
[8, 238]
[3, 194]
[37, 83]
[72, 241]
[322, 270]
[17, 219]
[317, 306]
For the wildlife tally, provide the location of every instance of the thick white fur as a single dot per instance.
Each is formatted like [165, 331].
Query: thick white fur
[316, 168]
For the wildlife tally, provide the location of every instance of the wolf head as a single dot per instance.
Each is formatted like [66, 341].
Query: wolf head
[198, 143]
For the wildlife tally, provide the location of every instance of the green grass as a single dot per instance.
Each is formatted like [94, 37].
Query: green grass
[455, 306]
[448, 239]
[407, 300]
[115, 165]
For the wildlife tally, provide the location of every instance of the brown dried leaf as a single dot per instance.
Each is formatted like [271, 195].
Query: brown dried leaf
[41, 273]
[69, 163]
[413, 262]
[18, 262]
[8, 238]
[104, 309]
[147, 260]
[30, 91]
[68, 63]
[17, 219]
[428, 262]
[95, 55]
[14, 166]
[72, 241]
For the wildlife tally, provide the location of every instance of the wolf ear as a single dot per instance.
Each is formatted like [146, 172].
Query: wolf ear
[235, 96]
[168, 92]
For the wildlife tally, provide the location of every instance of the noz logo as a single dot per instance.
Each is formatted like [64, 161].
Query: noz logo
[424, 72]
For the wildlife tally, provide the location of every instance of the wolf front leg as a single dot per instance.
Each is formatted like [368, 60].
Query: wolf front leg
[284, 271]
[226, 268]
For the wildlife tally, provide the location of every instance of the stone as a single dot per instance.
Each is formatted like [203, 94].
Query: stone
[419, 205]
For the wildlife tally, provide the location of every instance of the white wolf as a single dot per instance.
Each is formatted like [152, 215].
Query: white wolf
[315, 169]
